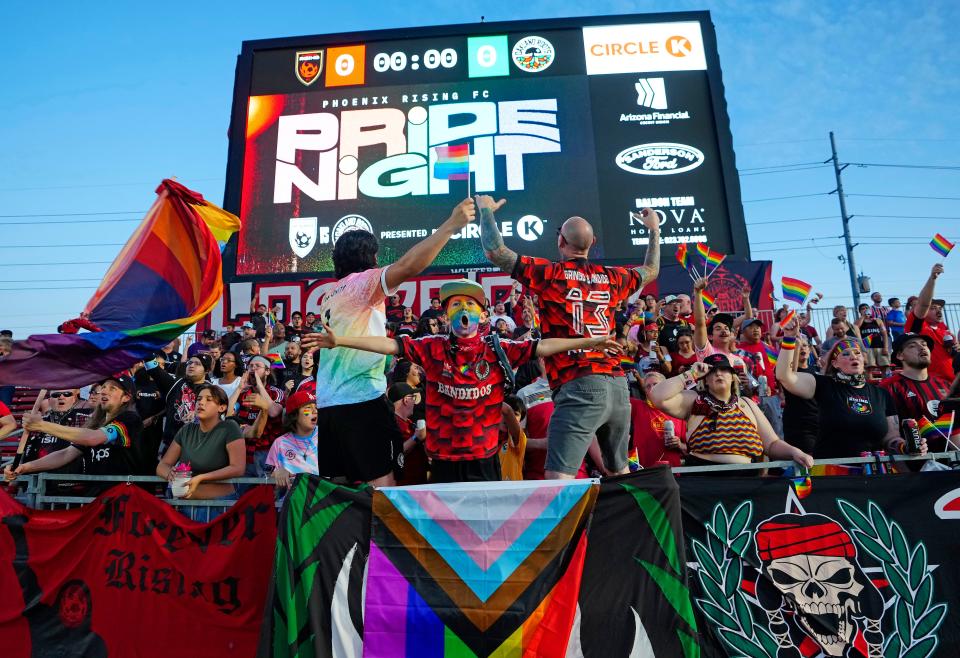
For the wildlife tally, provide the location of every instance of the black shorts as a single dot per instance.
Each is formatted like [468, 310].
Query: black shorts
[360, 441]
[470, 470]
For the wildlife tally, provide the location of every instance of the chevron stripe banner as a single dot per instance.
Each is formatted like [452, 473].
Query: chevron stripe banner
[481, 570]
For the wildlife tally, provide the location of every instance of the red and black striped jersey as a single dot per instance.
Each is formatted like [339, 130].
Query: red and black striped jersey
[916, 399]
[464, 392]
[577, 298]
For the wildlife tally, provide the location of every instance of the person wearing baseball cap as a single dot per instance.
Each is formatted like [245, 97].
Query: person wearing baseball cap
[855, 415]
[916, 392]
[464, 381]
[207, 340]
[723, 427]
[108, 445]
[405, 399]
[296, 450]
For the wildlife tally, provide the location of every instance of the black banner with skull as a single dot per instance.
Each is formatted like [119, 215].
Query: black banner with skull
[852, 566]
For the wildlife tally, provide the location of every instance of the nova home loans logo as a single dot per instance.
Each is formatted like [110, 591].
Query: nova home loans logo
[659, 159]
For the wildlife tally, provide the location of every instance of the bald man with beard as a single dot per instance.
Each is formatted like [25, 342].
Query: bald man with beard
[578, 298]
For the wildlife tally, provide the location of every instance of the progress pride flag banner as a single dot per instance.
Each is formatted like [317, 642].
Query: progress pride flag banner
[129, 575]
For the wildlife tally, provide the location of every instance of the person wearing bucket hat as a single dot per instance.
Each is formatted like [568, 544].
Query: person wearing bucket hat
[464, 381]
[916, 392]
[578, 298]
[296, 451]
[855, 416]
[354, 414]
[108, 445]
[722, 426]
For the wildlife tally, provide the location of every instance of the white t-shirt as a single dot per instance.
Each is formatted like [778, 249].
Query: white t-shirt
[354, 307]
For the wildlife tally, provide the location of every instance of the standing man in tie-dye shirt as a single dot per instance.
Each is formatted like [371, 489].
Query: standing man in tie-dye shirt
[358, 436]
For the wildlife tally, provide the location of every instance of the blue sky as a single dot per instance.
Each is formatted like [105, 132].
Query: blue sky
[101, 102]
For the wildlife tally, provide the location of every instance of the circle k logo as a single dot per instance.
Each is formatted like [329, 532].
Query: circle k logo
[679, 46]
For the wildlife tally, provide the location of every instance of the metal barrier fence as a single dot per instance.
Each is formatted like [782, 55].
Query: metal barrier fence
[39, 496]
[820, 317]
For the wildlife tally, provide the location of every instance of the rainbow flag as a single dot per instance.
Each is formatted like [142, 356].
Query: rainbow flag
[711, 259]
[941, 245]
[633, 460]
[932, 429]
[709, 301]
[165, 279]
[453, 162]
[803, 486]
[276, 361]
[795, 290]
[788, 318]
[626, 363]
[771, 355]
[683, 257]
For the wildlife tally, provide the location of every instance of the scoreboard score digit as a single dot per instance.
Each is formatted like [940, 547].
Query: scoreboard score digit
[596, 117]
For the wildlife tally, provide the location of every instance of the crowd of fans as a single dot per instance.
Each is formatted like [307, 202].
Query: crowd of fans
[572, 373]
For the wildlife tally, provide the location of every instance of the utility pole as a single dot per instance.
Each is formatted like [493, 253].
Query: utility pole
[845, 218]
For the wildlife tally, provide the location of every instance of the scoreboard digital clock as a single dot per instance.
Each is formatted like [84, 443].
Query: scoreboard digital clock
[594, 117]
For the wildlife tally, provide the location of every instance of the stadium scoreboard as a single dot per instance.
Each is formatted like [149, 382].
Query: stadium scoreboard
[596, 117]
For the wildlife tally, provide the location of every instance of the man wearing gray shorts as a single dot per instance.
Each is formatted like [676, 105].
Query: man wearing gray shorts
[578, 298]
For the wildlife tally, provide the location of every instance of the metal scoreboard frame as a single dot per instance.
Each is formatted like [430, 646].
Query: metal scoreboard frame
[595, 116]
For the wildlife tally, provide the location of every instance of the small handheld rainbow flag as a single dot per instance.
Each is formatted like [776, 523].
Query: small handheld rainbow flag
[711, 259]
[709, 301]
[939, 427]
[275, 361]
[633, 460]
[788, 318]
[803, 486]
[795, 290]
[453, 162]
[941, 245]
[683, 257]
[771, 354]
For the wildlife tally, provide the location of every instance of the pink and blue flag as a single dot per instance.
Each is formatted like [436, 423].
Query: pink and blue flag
[453, 162]
[165, 279]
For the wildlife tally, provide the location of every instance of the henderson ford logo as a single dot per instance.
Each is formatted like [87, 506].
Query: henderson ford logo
[660, 159]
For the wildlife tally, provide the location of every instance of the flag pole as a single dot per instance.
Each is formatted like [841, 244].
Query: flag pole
[953, 415]
[468, 176]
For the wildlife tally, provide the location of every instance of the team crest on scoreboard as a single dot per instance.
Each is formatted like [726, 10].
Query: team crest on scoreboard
[533, 54]
[308, 65]
[303, 235]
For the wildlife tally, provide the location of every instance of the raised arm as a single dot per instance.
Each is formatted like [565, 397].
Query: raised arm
[328, 340]
[650, 269]
[491, 240]
[550, 346]
[747, 310]
[421, 255]
[671, 397]
[699, 316]
[926, 293]
[79, 435]
[801, 384]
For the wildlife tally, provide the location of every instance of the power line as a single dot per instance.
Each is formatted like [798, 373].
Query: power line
[792, 141]
[59, 246]
[786, 221]
[78, 262]
[794, 196]
[50, 288]
[78, 214]
[783, 171]
[904, 217]
[795, 164]
[76, 221]
[75, 187]
[902, 196]
[904, 166]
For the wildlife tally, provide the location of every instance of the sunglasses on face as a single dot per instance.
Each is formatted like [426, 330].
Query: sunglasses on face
[61, 394]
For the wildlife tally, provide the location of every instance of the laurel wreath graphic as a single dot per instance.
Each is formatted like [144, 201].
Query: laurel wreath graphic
[913, 619]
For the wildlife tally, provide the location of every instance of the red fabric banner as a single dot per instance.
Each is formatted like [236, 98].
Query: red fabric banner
[128, 575]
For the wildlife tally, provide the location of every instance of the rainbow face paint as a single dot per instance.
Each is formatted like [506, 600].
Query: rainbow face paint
[464, 322]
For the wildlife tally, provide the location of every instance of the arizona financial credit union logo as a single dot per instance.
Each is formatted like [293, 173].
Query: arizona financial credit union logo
[659, 159]
[533, 54]
[309, 63]
[652, 94]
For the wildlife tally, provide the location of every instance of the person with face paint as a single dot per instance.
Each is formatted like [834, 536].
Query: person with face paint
[464, 381]
[855, 416]
[295, 451]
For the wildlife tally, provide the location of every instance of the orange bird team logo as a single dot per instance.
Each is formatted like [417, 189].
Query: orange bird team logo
[309, 64]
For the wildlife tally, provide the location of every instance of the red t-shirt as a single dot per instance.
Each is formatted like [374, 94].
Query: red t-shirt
[761, 365]
[941, 362]
[916, 399]
[464, 392]
[4, 410]
[680, 363]
[247, 415]
[538, 424]
[646, 433]
[577, 298]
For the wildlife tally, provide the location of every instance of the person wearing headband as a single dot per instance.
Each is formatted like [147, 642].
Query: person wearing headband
[855, 416]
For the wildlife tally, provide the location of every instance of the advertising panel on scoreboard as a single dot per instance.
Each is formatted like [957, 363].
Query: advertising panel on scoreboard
[593, 117]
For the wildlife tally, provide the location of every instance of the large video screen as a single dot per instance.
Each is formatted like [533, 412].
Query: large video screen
[594, 117]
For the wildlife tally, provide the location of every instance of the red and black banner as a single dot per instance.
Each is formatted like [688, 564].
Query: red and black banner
[855, 567]
[128, 575]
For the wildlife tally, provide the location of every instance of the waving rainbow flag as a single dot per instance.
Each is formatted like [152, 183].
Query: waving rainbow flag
[771, 355]
[682, 256]
[709, 301]
[711, 259]
[276, 361]
[941, 245]
[453, 162]
[939, 427]
[795, 290]
[165, 279]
